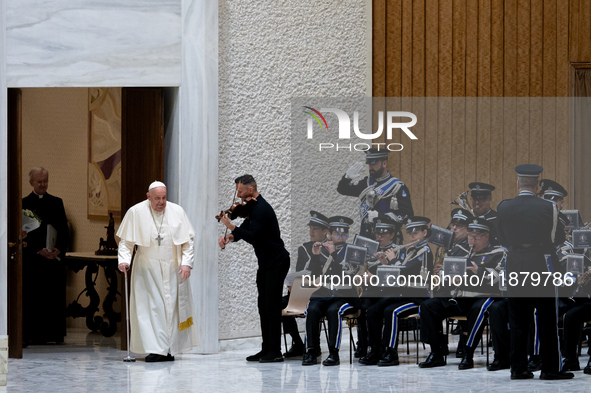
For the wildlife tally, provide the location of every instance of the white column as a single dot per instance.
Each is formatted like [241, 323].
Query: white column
[198, 157]
[3, 201]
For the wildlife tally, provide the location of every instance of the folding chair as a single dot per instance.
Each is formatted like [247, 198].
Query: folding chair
[298, 301]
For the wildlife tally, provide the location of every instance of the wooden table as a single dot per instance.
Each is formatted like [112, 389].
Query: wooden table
[77, 261]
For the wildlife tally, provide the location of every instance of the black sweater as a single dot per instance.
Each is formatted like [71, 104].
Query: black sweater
[261, 230]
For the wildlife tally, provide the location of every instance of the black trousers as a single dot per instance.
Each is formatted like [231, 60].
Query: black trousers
[373, 311]
[521, 311]
[572, 322]
[44, 299]
[498, 314]
[270, 287]
[435, 310]
[331, 308]
[395, 310]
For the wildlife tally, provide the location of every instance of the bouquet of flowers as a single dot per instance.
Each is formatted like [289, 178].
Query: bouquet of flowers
[31, 221]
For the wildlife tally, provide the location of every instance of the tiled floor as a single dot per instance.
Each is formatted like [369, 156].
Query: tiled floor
[91, 363]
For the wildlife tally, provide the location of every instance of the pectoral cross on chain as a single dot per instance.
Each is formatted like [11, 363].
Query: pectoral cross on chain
[159, 239]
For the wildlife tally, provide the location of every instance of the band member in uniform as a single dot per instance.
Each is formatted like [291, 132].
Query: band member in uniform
[572, 323]
[415, 260]
[481, 195]
[379, 192]
[499, 311]
[330, 302]
[483, 260]
[459, 226]
[318, 225]
[261, 229]
[554, 192]
[529, 228]
[385, 232]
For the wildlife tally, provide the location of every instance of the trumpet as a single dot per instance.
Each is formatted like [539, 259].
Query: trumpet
[462, 201]
[374, 260]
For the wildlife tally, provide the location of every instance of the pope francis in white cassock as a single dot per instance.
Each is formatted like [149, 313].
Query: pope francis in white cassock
[160, 306]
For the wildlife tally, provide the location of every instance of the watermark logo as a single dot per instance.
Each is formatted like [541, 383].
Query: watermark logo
[392, 120]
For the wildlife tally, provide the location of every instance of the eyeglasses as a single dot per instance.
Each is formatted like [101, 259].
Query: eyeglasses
[338, 235]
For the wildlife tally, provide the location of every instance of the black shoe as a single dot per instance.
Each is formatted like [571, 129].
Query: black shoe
[332, 359]
[256, 357]
[295, 351]
[571, 365]
[497, 365]
[522, 375]
[554, 376]
[309, 359]
[360, 352]
[154, 357]
[170, 358]
[371, 359]
[433, 360]
[271, 357]
[389, 359]
[466, 363]
[535, 363]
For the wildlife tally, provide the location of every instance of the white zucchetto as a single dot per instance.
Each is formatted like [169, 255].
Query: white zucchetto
[156, 184]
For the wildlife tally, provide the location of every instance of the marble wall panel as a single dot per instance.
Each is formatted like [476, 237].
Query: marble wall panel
[3, 359]
[54, 43]
[198, 157]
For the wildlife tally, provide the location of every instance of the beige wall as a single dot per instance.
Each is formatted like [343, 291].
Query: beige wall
[55, 136]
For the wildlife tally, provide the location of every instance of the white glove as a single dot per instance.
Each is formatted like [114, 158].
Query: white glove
[354, 171]
[371, 215]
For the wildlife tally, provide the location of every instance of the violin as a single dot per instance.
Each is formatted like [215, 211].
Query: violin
[238, 209]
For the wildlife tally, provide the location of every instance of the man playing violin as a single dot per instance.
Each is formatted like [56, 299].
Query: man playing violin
[261, 229]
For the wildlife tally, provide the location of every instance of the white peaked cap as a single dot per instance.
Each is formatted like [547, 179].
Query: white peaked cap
[156, 184]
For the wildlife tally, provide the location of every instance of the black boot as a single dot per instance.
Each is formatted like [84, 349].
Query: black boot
[468, 359]
[361, 351]
[372, 358]
[535, 363]
[333, 358]
[571, 365]
[310, 358]
[390, 358]
[499, 364]
[435, 359]
[297, 349]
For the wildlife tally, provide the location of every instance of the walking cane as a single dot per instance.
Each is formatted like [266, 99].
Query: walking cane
[128, 358]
